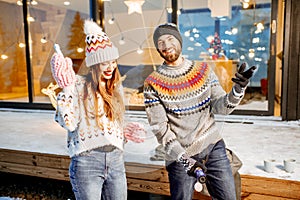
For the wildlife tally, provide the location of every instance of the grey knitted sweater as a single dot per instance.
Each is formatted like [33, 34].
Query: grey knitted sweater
[180, 103]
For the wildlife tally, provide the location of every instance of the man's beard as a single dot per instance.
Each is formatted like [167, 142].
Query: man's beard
[170, 57]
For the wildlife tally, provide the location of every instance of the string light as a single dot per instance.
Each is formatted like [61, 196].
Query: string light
[169, 10]
[111, 20]
[251, 53]
[30, 19]
[122, 41]
[245, 5]
[187, 33]
[43, 40]
[34, 3]
[259, 27]
[255, 40]
[21, 45]
[139, 50]
[234, 31]
[3, 56]
[79, 50]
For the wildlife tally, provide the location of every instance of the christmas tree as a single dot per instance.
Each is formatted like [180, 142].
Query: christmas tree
[215, 47]
[77, 38]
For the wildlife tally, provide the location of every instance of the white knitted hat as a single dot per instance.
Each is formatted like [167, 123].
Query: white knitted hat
[99, 48]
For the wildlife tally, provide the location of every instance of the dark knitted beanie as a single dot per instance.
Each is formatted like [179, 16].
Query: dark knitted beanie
[164, 29]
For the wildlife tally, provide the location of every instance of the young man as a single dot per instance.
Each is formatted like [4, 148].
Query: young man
[181, 98]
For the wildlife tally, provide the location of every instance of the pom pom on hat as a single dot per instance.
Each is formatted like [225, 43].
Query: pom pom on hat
[166, 29]
[99, 48]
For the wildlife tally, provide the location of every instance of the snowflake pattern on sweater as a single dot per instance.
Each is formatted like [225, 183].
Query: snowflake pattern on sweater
[180, 103]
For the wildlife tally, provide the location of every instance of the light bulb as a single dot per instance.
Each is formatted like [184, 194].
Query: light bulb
[111, 21]
[3, 56]
[169, 10]
[21, 45]
[245, 5]
[79, 50]
[34, 3]
[122, 41]
[251, 53]
[43, 40]
[234, 31]
[30, 19]
[140, 51]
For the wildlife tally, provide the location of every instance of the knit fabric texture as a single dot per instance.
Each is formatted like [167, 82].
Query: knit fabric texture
[166, 29]
[180, 103]
[62, 70]
[83, 132]
[99, 47]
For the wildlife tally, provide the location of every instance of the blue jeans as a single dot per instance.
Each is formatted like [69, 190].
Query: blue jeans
[99, 175]
[220, 182]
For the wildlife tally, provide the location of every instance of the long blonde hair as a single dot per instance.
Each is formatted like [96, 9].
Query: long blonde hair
[111, 93]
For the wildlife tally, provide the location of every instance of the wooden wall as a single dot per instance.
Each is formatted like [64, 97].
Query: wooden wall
[140, 177]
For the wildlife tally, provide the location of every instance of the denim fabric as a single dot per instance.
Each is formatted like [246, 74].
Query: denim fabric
[220, 182]
[99, 175]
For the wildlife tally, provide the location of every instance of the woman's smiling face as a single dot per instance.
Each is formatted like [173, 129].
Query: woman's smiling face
[107, 68]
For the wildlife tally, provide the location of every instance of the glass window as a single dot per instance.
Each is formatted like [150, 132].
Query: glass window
[227, 36]
[13, 74]
[131, 29]
[48, 23]
[55, 23]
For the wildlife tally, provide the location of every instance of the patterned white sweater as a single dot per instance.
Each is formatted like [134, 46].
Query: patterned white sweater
[180, 103]
[83, 132]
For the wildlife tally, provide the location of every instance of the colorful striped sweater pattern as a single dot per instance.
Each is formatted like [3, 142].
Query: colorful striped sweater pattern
[180, 103]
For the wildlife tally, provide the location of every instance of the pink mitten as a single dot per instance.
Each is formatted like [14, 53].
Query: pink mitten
[135, 132]
[62, 70]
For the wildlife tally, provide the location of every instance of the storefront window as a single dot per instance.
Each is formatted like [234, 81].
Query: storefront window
[224, 35]
[130, 26]
[239, 34]
[227, 36]
[13, 75]
[48, 23]
[61, 24]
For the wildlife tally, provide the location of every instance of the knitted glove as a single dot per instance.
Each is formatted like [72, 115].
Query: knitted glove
[193, 167]
[242, 77]
[62, 70]
[135, 132]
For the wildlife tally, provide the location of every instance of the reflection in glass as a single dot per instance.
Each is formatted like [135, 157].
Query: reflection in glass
[48, 23]
[228, 41]
[61, 24]
[13, 75]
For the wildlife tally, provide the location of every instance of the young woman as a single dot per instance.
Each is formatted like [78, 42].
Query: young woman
[91, 108]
